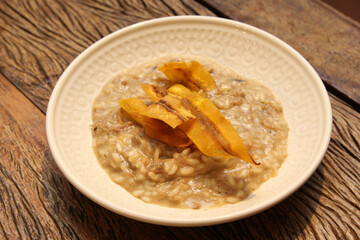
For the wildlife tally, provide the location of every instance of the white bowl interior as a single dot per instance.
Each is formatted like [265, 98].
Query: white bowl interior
[251, 52]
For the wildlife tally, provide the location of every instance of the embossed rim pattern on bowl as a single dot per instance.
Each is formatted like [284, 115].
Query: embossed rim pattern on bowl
[248, 50]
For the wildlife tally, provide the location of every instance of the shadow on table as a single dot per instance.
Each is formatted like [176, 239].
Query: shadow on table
[78, 217]
[286, 220]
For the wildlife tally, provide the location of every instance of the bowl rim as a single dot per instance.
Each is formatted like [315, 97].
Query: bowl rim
[50, 113]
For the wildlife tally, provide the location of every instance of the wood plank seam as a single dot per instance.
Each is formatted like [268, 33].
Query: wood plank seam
[336, 64]
[19, 89]
[329, 87]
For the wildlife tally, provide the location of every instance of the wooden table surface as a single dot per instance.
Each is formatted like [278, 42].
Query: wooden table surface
[40, 38]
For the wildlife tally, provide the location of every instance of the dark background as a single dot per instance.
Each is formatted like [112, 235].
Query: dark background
[351, 8]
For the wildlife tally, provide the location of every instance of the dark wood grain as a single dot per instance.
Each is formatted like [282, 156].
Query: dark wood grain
[326, 207]
[39, 39]
[324, 36]
[38, 202]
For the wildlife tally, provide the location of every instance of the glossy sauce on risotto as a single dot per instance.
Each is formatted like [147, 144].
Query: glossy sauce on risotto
[184, 177]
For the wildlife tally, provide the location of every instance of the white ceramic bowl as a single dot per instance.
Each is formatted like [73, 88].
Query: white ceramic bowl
[251, 52]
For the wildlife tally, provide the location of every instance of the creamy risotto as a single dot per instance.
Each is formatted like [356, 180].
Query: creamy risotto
[184, 177]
